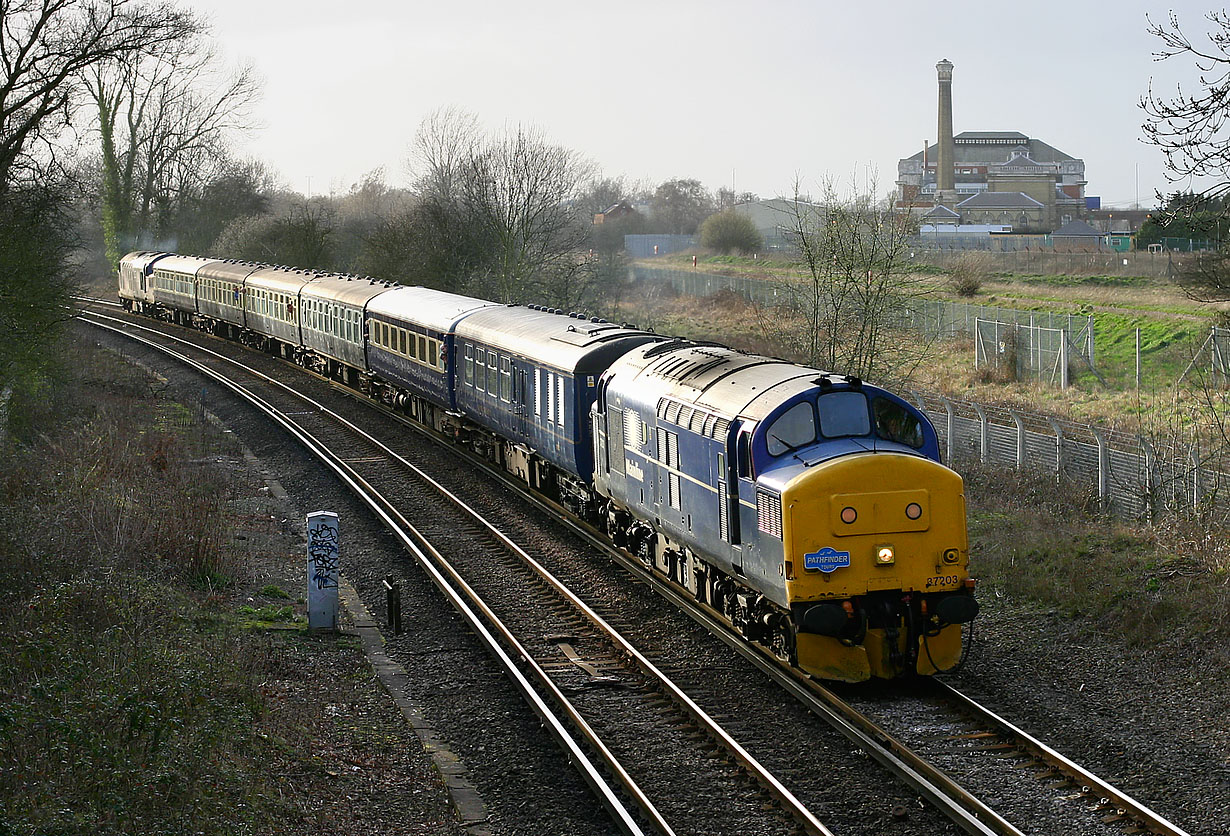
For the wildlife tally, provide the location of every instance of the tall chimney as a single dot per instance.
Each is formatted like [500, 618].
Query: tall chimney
[947, 150]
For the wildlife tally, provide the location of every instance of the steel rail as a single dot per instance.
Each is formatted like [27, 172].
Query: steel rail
[795, 808]
[959, 805]
[397, 525]
[1144, 816]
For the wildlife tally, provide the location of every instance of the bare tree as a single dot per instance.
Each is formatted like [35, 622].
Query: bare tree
[1188, 127]
[45, 47]
[497, 215]
[163, 117]
[518, 192]
[844, 314]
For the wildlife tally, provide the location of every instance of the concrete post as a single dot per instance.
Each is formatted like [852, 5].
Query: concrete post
[1058, 449]
[323, 568]
[1103, 469]
[983, 440]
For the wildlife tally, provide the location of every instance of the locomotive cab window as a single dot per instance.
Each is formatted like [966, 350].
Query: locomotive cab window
[844, 414]
[794, 429]
[895, 423]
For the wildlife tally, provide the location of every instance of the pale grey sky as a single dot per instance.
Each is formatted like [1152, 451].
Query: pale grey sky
[726, 92]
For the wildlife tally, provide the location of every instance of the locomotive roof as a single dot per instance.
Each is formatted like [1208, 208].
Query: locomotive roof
[346, 290]
[555, 339]
[717, 378]
[230, 269]
[433, 309]
[185, 264]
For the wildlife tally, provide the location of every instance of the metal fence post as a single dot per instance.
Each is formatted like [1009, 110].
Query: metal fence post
[1089, 338]
[1063, 359]
[983, 445]
[1150, 485]
[1194, 455]
[1020, 439]
[952, 421]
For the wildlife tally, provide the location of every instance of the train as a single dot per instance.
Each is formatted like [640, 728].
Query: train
[809, 509]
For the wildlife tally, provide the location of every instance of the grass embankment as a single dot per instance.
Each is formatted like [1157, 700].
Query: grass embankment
[1041, 547]
[143, 685]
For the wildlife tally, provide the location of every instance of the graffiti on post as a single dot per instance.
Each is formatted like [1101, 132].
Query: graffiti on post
[323, 568]
[322, 552]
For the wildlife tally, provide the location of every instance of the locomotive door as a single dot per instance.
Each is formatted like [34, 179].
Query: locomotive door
[744, 478]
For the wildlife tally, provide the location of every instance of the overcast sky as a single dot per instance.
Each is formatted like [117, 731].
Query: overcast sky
[746, 93]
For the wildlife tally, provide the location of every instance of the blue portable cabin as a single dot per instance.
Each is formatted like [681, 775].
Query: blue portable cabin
[704, 439]
[174, 284]
[221, 292]
[410, 339]
[334, 315]
[531, 375]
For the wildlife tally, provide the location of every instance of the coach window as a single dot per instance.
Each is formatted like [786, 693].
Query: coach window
[505, 380]
[493, 374]
[469, 369]
[844, 414]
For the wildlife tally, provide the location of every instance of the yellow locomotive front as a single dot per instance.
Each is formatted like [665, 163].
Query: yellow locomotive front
[877, 566]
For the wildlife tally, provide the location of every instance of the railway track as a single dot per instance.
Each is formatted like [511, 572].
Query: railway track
[588, 669]
[644, 729]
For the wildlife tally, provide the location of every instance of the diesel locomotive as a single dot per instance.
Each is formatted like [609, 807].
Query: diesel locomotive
[809, 509]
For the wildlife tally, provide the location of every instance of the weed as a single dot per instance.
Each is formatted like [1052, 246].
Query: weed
[273, 591]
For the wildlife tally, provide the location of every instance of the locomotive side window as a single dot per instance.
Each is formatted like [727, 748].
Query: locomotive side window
[844, 414]
[895, 423]
[794, 429]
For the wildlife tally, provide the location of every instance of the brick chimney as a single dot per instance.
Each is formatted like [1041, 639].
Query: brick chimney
[946, 147]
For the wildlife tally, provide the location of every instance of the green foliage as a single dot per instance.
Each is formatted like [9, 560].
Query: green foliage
[34, 290]
[301, 237]
[679, 206]
[728, 231]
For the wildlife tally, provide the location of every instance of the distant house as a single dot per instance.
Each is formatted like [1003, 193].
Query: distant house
[614, 211]
[1078, 235]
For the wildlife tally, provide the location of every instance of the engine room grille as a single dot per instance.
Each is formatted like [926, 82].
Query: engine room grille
[769, 512]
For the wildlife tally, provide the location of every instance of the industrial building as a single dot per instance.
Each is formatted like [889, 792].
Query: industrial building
[989, 177]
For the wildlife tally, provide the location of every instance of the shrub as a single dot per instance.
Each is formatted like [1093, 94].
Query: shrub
[969, 273]
[728, 230]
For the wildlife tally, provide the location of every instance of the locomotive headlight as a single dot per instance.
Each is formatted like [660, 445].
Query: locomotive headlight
[951, 556]
[885, 556]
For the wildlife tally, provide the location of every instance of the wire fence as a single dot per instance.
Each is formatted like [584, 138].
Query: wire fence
[1128, 475]
[935, 318]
